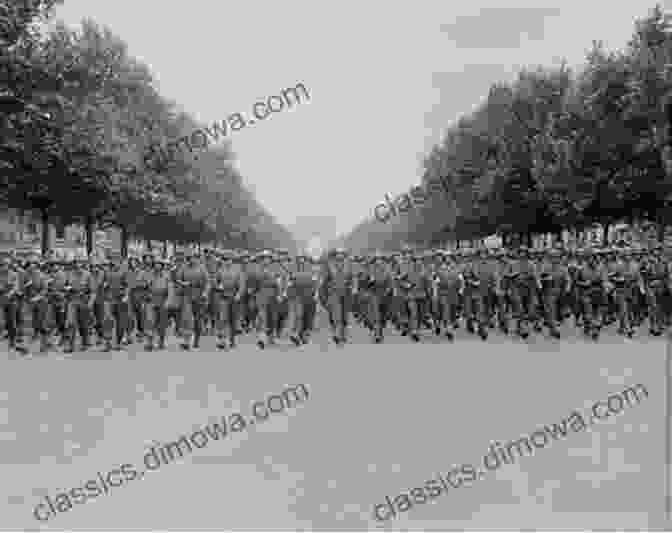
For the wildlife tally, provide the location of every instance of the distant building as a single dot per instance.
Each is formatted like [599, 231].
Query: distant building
[23, 229]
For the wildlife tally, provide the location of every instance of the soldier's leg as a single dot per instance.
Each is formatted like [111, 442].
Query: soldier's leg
[199, 321]
[19, 310]
[70, 324]
[225, 321]
[482, 314]
[233, 309]
[45, 323]
[10, 324]
[9, 313]
[217, 310]
[414, 318]
[108, 323]
[84, 319]
[149, 320]
[468, 311]
[523, 310]
[186, 322]
[552, 308]
[586, 311]
[653, 311]
[297, 311]
[261, 320]
[138, 314]
[122, 319]
[623, 311]
[273, 310]
[374, 313]
[310, 306]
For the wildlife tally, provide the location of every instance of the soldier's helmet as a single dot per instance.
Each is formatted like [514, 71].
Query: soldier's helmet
[264, 255]
[338, 253]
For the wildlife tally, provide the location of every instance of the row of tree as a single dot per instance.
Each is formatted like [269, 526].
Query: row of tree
[78, 116]
[552, 151]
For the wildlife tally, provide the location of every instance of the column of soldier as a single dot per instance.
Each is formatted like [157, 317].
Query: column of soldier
[272, 295]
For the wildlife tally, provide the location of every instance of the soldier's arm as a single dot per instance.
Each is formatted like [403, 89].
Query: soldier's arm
[568, 279]
[536, 274]
[207, 284]
[128, 281]
[92, 287]
[461, 281]
[242, 284]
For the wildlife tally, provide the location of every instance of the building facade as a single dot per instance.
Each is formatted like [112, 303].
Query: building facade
[23, 229]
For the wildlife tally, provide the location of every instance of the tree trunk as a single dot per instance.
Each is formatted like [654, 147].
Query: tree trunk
[165, 249]
[89, 236]
[124, 242]
[605, 235]
[148, 245]
[44, 216]
[528, 239]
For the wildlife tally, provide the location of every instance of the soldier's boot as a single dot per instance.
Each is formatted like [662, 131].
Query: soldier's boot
[149, 342]
[483, 331]
[197, 340]
[186, 341]
[86, 340]
[16, 343]
[69, 346]
[522, 329]
[295, 338]
[262, 339]
[503, 323]
[162, 341]
[221, 341]
[470, 326]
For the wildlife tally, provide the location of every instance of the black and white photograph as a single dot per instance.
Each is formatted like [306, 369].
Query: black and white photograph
[320, 266]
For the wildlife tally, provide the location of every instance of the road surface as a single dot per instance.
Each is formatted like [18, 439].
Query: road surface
[380, 419]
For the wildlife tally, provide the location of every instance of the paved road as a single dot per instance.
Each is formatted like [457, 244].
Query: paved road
[380, 419]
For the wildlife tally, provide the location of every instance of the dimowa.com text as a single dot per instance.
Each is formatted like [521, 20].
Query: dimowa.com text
[200, 139]
[63, 501]
[465, 475]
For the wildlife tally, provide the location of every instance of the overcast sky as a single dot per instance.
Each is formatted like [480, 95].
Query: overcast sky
[385, 79]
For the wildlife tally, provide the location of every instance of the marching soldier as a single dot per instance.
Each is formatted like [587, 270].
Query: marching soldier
[656, 282]
[156, 306]
[267, 297]
[227, 292]
[525, 284]
[446, 289]
[339, 287]
[301, 296]
[80, 293]
[555, 282]
[10, 289]
[193, 290]
[381, 286]
[116, 319]
[591, 281]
